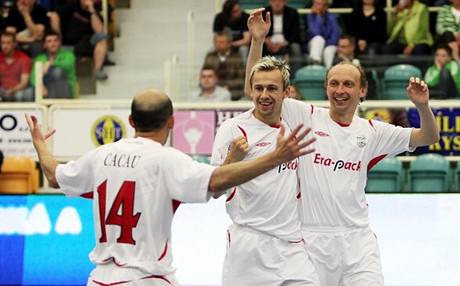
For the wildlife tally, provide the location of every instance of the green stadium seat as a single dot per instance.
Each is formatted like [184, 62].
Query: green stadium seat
[309, 80]
[201, 159]
[429, 173]
[386, 176]
[252, 4]
[395, 80]
[299, 4]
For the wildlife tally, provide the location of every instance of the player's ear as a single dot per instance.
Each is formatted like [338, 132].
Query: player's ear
[170, 122]
[131, 121]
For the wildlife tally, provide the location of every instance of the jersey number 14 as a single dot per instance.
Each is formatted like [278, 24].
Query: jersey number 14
[127, 220]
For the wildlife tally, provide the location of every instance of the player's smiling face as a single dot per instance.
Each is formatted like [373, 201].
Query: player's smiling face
[344, 90]
[268, 94]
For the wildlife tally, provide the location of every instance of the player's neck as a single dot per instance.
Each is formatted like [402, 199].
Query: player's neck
[159, 136]
[272, 120]
[341, 118]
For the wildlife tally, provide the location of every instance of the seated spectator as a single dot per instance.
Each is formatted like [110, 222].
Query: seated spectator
[443, 77]
[323, 33]
[368, 24]
[284, 35]
[28, 21]
[346, 50]
[59, 74]
[228, 64]
[410, 33]
[448, 27]
[14, 71]
[209, 90]
[234, 19]
[82, 27]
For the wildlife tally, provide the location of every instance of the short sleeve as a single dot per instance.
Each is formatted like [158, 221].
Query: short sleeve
[391, 140]
[295, 112]
[222, 142]
[76, 177]
[186, 180]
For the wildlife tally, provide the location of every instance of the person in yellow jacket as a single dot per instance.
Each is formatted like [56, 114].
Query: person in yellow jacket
[409, 30]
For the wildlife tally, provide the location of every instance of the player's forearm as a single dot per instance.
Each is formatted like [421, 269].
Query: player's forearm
[48, 163]
[428, 132]
[255, 53]
[235, 174]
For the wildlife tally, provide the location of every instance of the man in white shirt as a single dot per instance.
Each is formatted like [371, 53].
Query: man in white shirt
[265, 245]
[334, 211]
[209, 90]
[134, 182]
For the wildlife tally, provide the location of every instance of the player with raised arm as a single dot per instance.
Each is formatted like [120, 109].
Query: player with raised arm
[334, 211]
[134, 182]
[265, 245]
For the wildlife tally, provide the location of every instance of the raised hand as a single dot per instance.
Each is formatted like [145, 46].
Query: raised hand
[35, 130]
[418, 92]
[293, 146]
[238, 150]
[257, 25]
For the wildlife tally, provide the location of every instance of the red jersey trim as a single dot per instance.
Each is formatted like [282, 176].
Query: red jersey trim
[341, 124]
[175, 205]
[371, 123]
[374, 161]
[123, 282]
[312, 108]
[165, 250]
[89, 195]
[231, 195]
[244, 133]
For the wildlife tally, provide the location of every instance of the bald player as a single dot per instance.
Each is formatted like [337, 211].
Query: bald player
[133, 183]
[333, 207]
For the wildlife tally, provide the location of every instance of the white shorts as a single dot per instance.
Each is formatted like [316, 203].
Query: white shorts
[254, 258]
[344, 256]
[110, 274]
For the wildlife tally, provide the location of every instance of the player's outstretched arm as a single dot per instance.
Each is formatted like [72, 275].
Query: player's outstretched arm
[428, 133]
[47, 161]
[258, 28]
[287, 149]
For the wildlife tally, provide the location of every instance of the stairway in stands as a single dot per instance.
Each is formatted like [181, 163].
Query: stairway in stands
[153, 31]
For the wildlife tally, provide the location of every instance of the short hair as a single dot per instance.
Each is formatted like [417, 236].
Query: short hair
[151, 117]
[52, 33]
[9, 34]
[350, 38]
[209, 67]
[444, 47]
[362, 73]
[270, 63]
[226, 32]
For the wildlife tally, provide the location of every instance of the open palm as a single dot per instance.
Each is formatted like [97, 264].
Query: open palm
[418, 92]
[257, 25]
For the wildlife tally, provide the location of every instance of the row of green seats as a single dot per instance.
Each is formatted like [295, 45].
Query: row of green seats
[427, 173]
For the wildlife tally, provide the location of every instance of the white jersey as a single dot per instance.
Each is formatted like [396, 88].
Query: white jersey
[333, 178]
[134, 182]
[267, 203]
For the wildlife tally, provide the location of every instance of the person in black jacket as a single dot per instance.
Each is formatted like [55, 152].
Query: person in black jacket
[284, 35]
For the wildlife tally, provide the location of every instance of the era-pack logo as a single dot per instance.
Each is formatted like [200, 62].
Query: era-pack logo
[292, 165]
[337, 165]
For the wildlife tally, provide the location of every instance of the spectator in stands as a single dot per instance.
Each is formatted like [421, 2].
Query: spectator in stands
[209, 90]
[323, 33]
[28, 21]
[410, 33]
[368, 24]
[346, 50]
[284, 35]
[443, 77]
[233, 18]
[82, 27]
[448, 27]
[59, 74]
[228, 64]
[14, 71]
